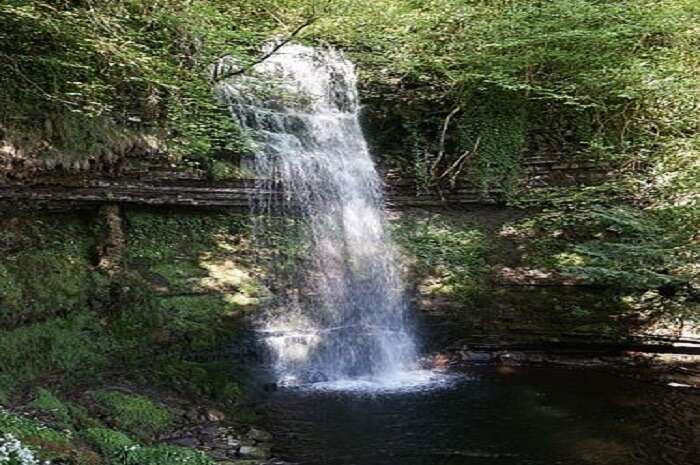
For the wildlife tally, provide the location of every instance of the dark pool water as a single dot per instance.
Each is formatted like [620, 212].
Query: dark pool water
[496, 417]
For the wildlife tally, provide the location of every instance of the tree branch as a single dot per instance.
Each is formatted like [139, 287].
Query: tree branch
[443, 135]
[460, 163]
[269, 53]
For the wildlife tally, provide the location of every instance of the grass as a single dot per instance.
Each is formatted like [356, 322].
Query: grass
[135, 414]
[26, 429]
[123, 450]
[110, 443]
[47, 402]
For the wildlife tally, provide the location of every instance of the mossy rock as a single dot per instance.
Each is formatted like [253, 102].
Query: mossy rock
[202, 320]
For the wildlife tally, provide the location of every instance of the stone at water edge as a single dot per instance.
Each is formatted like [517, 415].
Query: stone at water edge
[259, 435]
[215, 416]
[187, 441]
[260, 452]
[232, 442]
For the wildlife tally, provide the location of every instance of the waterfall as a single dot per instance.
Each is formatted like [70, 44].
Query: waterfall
[339, 311]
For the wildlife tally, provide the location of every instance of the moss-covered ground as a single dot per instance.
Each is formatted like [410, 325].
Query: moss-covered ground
[69, 333]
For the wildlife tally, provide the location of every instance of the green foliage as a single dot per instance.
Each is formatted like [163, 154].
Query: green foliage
[198, 319]
[643, 250]
[494, 130]
[47, 402]
[222, 170]
[450, 256]
[135, 414]
[199, 265]
[79, 77]
[45, 269]
[110, 443]
[122, 450]
[212, 379]
[10, 290]
[635, 251]
[50, 280]
[162, 238]
[72, 346]
[26, 429]
[47, 444]
[166, 455]
[583, 79]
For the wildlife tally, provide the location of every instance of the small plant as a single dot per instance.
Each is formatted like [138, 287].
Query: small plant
[112, 444]
[27, 429]
[46, 443]
[165, 455]
[47, 402]
[135, 414]
[122, 450]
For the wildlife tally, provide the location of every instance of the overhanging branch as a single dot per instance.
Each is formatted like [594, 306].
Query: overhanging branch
[270, 52]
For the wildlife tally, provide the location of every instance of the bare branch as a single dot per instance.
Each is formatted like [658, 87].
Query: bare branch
[461, 159]
[271, 52]
[441, 153]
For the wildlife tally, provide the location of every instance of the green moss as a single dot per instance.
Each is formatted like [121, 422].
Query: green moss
[67, 415]
[201, 318]
[10, 293]
[223, 170]
[53, 279]
[155, 238]
[47, 269]
[179, 275]
[47, 402]
[72, 346]
[136, 414]
[46, 443]
[194, 378]
[494, 130]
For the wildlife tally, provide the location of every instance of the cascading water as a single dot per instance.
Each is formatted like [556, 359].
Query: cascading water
[340, 314]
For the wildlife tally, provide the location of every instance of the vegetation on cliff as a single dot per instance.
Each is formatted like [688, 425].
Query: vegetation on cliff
[456, 92]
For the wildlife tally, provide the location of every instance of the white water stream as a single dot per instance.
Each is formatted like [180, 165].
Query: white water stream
[340, 319]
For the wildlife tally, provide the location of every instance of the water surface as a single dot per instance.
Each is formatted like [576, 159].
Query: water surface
[489, 416]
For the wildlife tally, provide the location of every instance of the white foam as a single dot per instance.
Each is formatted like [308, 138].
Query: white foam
[397, 382]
